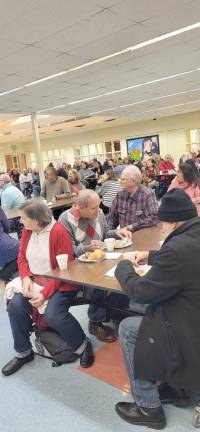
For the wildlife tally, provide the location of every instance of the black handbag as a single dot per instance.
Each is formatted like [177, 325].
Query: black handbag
[51, 345]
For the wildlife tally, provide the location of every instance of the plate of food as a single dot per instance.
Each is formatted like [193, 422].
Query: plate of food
[122, 243]
[97, 256]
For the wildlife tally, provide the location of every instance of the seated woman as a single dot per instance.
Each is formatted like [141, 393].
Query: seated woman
[42, 240]
[74, 181]
[149, 174]
[9, 248]
[188, 179]
[107, 188]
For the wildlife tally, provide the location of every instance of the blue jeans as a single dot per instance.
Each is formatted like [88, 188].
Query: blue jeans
[103, 300]
[57, 317]
[145, 393]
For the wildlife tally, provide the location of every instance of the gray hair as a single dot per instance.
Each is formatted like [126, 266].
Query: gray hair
[35, 209]
[5, 178]
[85, 196]
[133, 172]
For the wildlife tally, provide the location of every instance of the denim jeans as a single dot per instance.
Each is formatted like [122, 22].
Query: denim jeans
[145, 393]
[56, 316]
[103, 300]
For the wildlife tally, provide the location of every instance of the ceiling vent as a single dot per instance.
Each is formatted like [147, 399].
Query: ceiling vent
[57, 130]
[70, 120]
[110, 120]
[81, 125]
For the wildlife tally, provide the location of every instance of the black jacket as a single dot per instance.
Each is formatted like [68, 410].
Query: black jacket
[168, 343]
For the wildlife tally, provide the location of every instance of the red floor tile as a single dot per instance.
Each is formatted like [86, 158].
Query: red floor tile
[109, 367]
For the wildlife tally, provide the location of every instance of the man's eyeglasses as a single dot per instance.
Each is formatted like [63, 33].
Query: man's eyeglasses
[126, 178]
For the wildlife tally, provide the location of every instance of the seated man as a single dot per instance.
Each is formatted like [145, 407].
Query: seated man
[11, 196]
[87, 227]
[135, 206]
[54, 185]
[164, 345]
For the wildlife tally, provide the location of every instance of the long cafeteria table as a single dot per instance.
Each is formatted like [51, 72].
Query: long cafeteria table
[93, 274]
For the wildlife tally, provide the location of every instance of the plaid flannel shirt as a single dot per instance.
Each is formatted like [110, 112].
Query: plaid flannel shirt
[139, 210]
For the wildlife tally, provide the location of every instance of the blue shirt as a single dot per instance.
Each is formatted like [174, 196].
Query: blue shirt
[11, 197]
[9, 247]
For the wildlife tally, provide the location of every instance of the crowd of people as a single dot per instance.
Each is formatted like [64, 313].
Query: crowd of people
[112, 200]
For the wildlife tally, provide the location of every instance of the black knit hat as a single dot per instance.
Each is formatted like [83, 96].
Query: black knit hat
[176, 206]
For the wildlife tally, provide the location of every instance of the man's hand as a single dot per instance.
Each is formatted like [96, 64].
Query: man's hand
[123, 232]
[27, 287]
[96, 244]
[37, 301]
[140, 256]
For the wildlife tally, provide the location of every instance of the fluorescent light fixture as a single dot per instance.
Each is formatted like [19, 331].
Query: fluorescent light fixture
[10, 91]
[52, 108]
[26, 119]
[176, 94]
[120, 106]
[164, 36]
[168, 106]
[45, 79]
[134, 86]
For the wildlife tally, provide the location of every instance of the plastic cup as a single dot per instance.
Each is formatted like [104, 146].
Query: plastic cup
[110, 244]
[62, 261]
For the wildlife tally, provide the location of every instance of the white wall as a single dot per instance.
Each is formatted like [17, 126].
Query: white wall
[172, 131]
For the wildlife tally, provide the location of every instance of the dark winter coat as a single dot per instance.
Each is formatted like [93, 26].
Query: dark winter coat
[168, 343]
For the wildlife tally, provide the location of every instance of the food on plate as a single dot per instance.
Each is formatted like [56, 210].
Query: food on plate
[121, 243]
[98, 254]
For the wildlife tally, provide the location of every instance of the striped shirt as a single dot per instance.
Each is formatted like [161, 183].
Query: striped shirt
[108, 191]
[139, 210]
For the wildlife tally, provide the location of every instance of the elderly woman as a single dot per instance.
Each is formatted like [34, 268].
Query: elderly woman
[107, 188]
[42, 240]
[188, 179]
[9, 248]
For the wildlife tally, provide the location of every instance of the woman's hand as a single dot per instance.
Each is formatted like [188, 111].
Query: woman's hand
[27, 287]
[37, 301]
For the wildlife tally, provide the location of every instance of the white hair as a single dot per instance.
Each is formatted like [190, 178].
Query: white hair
[5, 178]
[85, 196]
[133, 172]
[185, 156]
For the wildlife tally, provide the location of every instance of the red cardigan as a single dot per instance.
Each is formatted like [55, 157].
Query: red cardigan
[59, 243]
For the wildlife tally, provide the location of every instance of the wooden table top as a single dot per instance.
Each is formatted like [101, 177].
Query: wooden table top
[14, 213]
[93, 274]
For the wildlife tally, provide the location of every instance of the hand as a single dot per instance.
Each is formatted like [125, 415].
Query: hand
[27, 287]
[37, 301]
[124, 232]
[96, 244]
[140, 256]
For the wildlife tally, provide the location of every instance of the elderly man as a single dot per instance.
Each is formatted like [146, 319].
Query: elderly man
[54, 185]
[88, 228]
[165, 344]
[135, 206]
[11, 196]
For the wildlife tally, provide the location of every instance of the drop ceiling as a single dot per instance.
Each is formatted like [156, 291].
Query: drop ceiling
[39, 38]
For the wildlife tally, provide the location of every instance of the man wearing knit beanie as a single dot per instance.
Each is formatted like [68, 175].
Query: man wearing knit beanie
[164, 345]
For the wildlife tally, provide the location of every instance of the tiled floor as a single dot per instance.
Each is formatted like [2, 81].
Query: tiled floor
[39, 398]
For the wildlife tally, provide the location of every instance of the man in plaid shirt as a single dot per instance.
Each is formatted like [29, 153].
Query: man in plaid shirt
[135, 206]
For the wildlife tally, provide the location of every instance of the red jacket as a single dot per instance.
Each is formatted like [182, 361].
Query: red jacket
[59, 243]
[165, 166]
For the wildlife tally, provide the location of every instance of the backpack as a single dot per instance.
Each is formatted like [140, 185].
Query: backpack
[49, 344]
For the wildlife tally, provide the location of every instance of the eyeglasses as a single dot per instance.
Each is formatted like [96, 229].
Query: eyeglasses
[126, 178]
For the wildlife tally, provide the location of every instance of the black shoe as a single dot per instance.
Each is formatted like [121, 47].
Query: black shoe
[87, 356]
[103, 332]
[168, 395]
[16, 363]
[153, 418]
